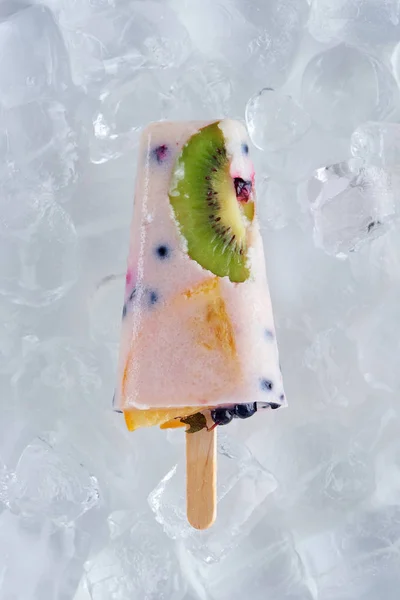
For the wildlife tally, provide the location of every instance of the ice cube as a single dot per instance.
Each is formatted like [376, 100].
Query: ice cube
[276, 32]
[351, 203]
[40, 149]
[39, 264]
[10, 335]
[320, 469]
[81, 379]
[74, 11]
[280, 25]
[377, 143]
[38, 560]
[274, 120]
[333, 357]
[242, 486]
[266, 37]
[107, 41]
[100, 221]
[71, 369]
[277, 203]
[300, 294]
[223, 22]
[395, 62]
[376, 265]
[368, 22]
[158, 33]
[50, 482]
[139, 562]
[33, 60]
[82, 593]
[344, 86]
[388, 469]
[201, 90]
[265, 564]
[121, 113]
[18, 209]
[314, 149]
[378, 343]
[66, 385]
[358, 559]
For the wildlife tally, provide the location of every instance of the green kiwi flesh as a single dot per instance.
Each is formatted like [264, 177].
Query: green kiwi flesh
[203, 198]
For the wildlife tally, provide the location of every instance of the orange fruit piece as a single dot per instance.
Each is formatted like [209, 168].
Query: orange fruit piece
[167, 418]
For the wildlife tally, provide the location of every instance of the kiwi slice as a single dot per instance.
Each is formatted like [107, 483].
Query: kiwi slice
[211, 218]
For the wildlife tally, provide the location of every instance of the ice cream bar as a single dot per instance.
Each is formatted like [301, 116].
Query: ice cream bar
[197, 325]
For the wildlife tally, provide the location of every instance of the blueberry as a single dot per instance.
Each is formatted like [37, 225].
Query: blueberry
[243, 188]
[282, 397]
[266, 385]
[162, 252]
[124, 311]
[245, 148]
[222, 416]
[153, 297]
[269, 335]
[244, 411]
[274, 406]
[160, 153]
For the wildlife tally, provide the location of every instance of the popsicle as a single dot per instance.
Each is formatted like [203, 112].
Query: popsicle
[198, 344]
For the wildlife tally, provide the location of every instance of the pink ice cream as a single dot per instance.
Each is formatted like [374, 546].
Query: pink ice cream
[190, 338]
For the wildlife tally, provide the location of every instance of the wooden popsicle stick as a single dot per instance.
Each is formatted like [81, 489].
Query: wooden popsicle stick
[201, 478]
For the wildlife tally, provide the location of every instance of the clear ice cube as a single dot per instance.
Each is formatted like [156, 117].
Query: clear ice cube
[359, 558]
[201, 90]
[280, 25]
[38, 560]
[242, 486]
[366, 22]
[321, 469]
[331, 356]
[313, 150]
[277, 203]
[379, 343]
[38, 149]
[33, 59]
[377, 143]
[344, 86]
[265, 564]
[50, 482]
[40, 264]
[121, 113]
[274, 120]
[139, 562]
[106, 42]
[351, 204]
[376, 265]
[223, 21]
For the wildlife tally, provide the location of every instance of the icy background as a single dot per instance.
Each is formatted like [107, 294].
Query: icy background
[309, 497]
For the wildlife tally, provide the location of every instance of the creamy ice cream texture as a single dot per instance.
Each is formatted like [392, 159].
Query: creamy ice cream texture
[191, 337]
